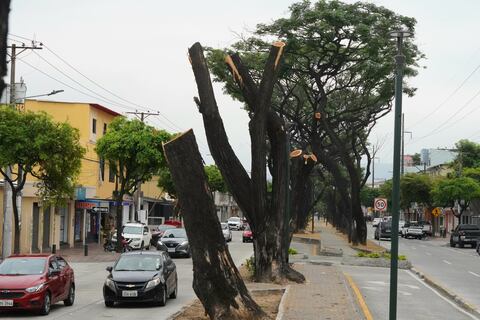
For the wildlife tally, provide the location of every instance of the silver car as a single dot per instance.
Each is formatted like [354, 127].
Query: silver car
[227, 233]
[175, 242]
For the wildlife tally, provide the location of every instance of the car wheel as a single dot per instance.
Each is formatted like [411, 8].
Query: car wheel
[452, 244]
[148, 247]
[47, 303]
[162, 298]
[173, 295]
[189, 253]
[243, 240]
[461, 245]
[71, 296]
[141, 246]
[109, 304]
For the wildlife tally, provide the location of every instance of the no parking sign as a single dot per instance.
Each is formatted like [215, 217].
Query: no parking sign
[380, 204]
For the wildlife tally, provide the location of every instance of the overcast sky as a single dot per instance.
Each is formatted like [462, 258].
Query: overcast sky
[138, 51]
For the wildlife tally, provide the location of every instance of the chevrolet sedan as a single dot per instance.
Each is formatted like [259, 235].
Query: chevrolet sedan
[141, 277]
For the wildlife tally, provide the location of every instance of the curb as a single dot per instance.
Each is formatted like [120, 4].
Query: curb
[306, 240]
[184, 307]
[281, 306]
[447, 293]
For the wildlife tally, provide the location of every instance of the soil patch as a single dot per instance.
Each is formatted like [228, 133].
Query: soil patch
[268, 300]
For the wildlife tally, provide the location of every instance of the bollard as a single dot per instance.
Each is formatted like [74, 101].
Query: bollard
[54, 248]
[85, 249]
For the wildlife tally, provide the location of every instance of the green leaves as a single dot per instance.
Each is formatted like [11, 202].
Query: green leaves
[449, 191]
[45, 149]
[133, 150]
[215, 179]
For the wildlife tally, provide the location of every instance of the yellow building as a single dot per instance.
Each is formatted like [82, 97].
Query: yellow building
[42, 227]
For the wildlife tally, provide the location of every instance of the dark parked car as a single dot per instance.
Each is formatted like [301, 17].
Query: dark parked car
[384, 230]
[175, 242]
[465, 234]
[35, 282]
[141, 277]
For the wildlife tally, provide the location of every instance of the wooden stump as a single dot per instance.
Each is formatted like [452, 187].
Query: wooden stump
[216, 280]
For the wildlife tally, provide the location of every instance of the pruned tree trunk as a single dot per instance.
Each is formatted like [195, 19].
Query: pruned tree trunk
[216, 280]
[266, 218]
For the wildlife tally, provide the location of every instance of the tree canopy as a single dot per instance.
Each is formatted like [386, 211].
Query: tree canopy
[133, 151]
[47, 150]
[460, 190]
[416, 188]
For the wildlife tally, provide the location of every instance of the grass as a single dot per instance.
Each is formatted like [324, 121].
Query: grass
[376, 255]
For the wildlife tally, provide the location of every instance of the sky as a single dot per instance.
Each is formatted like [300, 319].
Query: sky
[137, 50]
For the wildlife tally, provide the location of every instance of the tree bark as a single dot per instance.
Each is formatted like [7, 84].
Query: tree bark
[265, 217]
[216, 280]
[4, 11]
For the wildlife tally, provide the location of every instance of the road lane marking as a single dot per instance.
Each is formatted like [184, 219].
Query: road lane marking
[358, 294]
[447, 262]
[476, 275]
[444, 298]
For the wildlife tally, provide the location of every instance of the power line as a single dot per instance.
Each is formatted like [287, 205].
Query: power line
[95, 83]
[448, 98]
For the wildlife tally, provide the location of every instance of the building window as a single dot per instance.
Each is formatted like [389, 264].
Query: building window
[104, 128]
[94, 126]
[102, 169]
[111, 174]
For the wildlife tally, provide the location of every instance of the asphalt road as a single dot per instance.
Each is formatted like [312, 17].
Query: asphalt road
[89, 302]
[415, 299]
[457, 269]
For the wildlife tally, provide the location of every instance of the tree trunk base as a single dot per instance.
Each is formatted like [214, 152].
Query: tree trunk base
[281, 274]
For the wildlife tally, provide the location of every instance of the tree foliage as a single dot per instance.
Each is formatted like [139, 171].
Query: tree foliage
[416, 188]
[468, 155]
[368, 195]
[33, 144]
[38, 146]
[462, 191]
[338, 65]
[215, 179]
[133, 151]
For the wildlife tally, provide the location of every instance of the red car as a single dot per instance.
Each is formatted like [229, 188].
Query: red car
[247, 234]
[35, 282]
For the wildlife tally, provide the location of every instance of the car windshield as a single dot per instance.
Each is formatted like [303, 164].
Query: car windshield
[247, 228]
[224, 226]
[138, 262]
[234, 219]
[21, 266]
[175, 233]
[164, 227]
[132, 230]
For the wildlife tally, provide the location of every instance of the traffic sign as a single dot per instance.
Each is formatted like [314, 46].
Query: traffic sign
[436, 212]
[380, 204]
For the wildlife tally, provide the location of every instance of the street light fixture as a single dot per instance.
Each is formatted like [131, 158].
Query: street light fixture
[42, 95]
[399, 61]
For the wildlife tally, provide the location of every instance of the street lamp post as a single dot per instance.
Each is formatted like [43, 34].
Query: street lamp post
[400, 61]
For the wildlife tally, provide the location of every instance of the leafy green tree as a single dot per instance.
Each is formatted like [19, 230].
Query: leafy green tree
[468, 155]
[473, 173]
[335, 82]
[386, 191]
[461, 191]
[368, 195]
[416, 159]
[215, 179]
[33, 144]
[416, 188]
[134, 152]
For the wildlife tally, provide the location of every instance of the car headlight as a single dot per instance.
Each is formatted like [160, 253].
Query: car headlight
[183, 244]
[35, 288]
[110, 283]
[152, 283]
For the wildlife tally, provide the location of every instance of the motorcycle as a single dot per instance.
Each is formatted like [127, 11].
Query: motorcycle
[110, 245]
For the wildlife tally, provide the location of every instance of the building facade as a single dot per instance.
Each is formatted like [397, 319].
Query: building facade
[90, 212]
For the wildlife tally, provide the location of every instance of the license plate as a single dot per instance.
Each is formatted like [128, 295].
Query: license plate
[171, 249]
[6, 303]
[388, 230]
[130, 293]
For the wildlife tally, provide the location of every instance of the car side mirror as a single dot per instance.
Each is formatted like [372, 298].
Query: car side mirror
[109, 269]
[453, 230]
[145, 233]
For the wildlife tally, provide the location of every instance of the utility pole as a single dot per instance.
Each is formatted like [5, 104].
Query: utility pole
[142, 116]
[399, 62]
[7, 189]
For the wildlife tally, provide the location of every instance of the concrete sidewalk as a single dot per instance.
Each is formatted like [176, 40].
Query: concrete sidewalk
[95, 254]
[327, 293]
